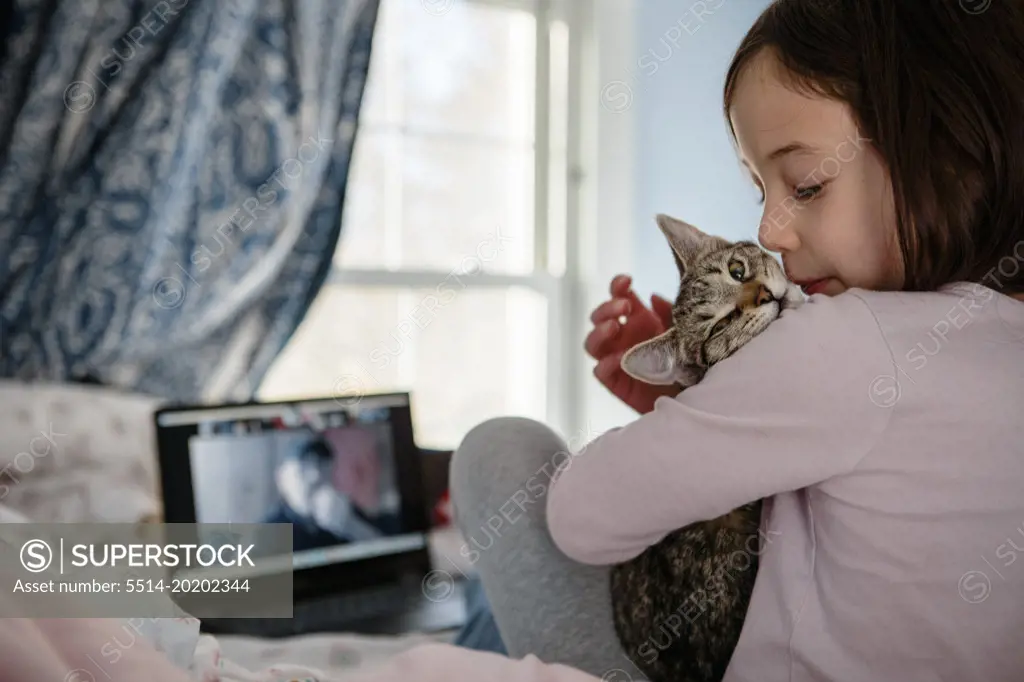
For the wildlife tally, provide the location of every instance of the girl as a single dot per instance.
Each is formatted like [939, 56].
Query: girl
[879, 421]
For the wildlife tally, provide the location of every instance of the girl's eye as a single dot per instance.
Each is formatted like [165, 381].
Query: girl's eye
[737, 271]
[807, 193]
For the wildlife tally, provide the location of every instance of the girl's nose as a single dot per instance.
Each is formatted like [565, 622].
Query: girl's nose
[776, 234]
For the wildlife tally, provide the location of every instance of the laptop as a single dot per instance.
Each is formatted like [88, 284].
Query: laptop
[346, 473]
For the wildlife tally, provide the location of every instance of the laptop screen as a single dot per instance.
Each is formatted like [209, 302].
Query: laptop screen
[344, 475]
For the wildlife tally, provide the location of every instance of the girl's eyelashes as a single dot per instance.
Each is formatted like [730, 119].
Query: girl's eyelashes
[760, 193]
[799, 193]
[807, 193]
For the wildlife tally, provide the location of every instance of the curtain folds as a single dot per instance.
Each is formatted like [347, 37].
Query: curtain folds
[172, 177]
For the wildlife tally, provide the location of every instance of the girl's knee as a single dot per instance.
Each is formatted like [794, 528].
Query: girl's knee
[502, 458]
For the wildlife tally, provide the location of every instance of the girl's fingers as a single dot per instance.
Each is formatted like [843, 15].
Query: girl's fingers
[660, 302]
[608, 367]
[662, 308]
[611, 310]
[606, 318]
[599, 336]
[622, 288]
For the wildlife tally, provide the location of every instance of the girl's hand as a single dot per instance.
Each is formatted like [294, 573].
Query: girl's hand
[610, 339]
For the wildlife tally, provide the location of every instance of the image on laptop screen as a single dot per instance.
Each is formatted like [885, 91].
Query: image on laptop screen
[329, 471]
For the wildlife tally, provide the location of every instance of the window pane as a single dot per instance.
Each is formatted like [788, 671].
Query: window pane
[465, 354]
[367, 210]
[457, 67]
[429, 203]
[444, 154]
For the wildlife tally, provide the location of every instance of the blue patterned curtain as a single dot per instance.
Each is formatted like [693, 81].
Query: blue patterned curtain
[172, 175]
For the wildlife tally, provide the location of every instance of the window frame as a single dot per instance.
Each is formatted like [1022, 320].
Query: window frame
[563, 292]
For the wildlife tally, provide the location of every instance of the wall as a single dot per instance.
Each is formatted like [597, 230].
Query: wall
[661, 146]
[684, 159]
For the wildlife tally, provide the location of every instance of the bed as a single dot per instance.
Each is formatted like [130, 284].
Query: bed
[84, 453]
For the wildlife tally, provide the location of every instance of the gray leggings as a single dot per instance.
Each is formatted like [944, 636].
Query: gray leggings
[544, 603]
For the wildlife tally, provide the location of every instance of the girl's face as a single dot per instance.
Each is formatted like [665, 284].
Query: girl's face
[828, 207]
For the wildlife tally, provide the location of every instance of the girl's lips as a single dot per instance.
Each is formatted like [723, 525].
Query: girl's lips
[814, 286]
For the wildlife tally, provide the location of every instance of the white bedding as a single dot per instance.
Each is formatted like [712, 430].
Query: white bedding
[171, 650]
[82, 453]
[336, 654]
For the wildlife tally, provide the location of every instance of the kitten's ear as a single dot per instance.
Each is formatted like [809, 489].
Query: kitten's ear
[684, 238]
[656, 362]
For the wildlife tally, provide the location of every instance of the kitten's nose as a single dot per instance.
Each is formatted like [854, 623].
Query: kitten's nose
[763, 295]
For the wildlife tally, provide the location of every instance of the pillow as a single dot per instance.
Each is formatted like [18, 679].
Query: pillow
[77, 453]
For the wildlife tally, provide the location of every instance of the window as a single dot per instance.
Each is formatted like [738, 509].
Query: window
[452, 277]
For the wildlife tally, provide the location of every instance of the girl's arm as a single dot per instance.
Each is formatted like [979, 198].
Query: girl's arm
[802, 402]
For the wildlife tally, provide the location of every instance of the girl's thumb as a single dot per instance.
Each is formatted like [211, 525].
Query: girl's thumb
[662, 308]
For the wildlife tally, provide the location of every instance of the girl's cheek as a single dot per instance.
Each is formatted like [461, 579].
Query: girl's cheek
[886, 258]
[815, 219]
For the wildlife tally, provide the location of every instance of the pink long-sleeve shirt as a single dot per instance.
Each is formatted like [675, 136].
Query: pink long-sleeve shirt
[885, 431]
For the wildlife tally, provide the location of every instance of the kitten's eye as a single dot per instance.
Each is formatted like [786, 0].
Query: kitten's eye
[737, 270]
[806, 193]
[724, 322]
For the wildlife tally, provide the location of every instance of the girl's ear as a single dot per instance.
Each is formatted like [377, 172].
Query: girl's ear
[657, 361]
[685, 239]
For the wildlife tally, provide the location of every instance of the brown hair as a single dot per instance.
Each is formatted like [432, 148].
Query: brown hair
[938, 88]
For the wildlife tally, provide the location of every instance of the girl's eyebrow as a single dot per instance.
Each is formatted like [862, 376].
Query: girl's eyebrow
[791, 148]
[786, 150]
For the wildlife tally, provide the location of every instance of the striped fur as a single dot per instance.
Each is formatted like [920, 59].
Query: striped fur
[679, 606]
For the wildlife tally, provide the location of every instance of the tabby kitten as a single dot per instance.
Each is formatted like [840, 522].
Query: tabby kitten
[679, 607]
